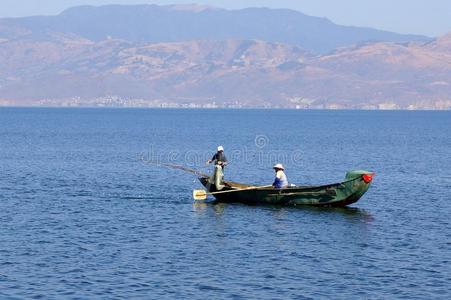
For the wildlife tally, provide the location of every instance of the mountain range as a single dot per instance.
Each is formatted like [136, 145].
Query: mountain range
[151, 55]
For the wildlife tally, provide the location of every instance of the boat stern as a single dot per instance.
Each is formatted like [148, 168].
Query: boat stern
[203, 181]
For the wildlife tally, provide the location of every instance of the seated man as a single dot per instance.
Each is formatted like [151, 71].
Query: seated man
[281, 180]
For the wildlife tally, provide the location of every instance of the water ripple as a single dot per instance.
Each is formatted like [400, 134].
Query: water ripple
[82, 218]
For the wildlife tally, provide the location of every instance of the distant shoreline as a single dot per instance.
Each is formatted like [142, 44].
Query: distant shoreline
[213, 108]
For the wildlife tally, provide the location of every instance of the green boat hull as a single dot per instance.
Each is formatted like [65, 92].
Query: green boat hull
[334, 195]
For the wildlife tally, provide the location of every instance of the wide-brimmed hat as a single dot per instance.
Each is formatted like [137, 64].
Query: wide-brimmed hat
[220, 148]
[278, 166]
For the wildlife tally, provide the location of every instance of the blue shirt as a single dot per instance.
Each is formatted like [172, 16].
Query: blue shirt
[281, 180]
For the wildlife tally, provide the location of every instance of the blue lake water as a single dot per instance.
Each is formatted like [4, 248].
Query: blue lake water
[82, 216]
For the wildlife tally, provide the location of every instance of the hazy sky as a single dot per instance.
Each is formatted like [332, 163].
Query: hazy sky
[429, 17]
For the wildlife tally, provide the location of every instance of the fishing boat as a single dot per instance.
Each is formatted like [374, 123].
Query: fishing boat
[341, 194]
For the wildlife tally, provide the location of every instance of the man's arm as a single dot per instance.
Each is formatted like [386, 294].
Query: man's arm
[212, 159]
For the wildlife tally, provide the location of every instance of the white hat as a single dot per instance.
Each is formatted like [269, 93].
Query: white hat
[278, 166]
[220, 148]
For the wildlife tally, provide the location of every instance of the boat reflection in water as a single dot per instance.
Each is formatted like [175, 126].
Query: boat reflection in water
[352, 214]
[202, 207]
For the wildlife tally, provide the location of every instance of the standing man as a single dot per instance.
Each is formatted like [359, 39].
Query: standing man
[219, 158]
[220, 161]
